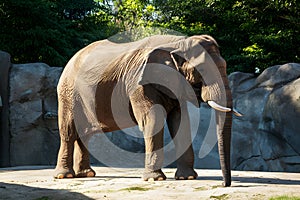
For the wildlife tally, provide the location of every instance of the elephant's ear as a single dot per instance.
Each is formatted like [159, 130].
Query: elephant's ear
[161, 71]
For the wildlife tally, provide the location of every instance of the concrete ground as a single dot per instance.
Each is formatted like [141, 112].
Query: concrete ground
[37, 183]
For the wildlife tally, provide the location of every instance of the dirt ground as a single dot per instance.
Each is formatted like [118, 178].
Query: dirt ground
[37, 183]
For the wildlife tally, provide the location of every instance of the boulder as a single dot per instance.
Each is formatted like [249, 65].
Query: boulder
[33, 114]
[267, 137]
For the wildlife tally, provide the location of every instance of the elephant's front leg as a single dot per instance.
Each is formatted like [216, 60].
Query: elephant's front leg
[150, 116]
[179, 127]
[153, 133]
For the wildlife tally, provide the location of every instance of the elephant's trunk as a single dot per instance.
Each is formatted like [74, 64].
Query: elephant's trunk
[224, 140]
[224, 123]
[217, 93]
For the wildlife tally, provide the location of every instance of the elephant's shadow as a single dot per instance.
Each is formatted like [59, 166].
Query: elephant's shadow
[236, 180]
[254, 180]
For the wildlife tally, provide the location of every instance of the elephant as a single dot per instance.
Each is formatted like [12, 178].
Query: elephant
[109, 86]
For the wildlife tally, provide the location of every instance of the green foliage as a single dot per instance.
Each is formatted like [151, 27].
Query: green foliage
[285, 197]
[220, 197]
[27, 39]
[252, 34]
[135, 189]
[47, 30]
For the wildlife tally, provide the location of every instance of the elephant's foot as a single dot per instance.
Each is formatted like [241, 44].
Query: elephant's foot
[64, 173]
[156, 175]
[185, 174]
[89, 172]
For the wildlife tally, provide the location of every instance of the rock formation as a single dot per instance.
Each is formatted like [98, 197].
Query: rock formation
[266, 138]
[33, 114]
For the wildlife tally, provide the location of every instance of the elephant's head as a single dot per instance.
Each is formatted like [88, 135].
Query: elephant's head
[216, 89]
[198, 59]
[205, 70]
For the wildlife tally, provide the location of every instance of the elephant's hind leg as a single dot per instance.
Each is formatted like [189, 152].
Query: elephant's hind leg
[82, 160]
[64, 166]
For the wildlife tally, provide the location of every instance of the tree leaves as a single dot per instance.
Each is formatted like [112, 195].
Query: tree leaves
[48, 31]
[251, 34]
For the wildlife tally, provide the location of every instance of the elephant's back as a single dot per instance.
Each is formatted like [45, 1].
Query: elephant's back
[90, 63]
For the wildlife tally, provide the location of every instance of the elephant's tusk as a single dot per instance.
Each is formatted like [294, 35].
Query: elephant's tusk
[237, 113]
[218, 107]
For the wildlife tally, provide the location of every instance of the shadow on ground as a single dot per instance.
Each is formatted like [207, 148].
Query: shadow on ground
[25, 192]
[262, 180]
[255, 180]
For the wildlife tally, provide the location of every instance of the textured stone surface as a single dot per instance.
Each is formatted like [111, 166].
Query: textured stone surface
[33, 114]
[266, 138]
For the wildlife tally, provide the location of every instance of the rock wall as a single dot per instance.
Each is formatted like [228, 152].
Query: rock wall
[266, 138]
[33, 114]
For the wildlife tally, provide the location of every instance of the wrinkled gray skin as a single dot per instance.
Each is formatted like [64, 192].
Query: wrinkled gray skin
[144, 104]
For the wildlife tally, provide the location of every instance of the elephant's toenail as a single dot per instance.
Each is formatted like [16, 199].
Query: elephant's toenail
[60, 176]
[90, 174]
[69, 176]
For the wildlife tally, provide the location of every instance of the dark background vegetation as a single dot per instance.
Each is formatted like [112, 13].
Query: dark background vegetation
[252, 34]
